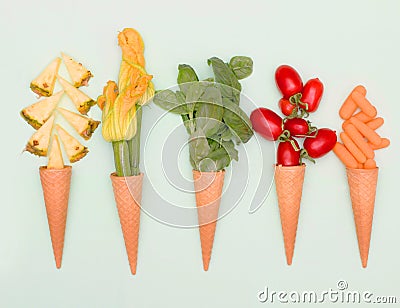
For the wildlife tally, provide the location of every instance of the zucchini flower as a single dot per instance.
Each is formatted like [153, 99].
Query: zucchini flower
[120, 103]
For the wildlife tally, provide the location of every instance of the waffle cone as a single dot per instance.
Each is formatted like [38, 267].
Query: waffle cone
[362, 183]
[289, 187]
[56, 185]
[208, 189]
[128, 196]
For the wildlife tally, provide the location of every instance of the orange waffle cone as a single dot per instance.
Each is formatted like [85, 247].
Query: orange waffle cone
[289, 187]
[128, 196]
[208, 188]
[362, 183]
[56, 184]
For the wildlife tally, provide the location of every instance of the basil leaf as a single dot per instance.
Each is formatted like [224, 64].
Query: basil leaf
[225, 76]
[220, 157]
[229, 147]
[241, 66]
[207, 165]
[186, 74]
[198, 146]
[238, 121]
[168, 100]
[195, 91]
[209, 111]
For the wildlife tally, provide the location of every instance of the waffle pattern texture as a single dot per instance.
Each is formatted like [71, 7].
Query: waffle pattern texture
[208, 189]
[56, 186]
[362, 183]
[128, 196]
[289, 188]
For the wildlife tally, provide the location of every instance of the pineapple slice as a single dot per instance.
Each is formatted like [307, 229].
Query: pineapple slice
[80, 99]
[84, 126]
[43, 85]
[40, 140]
[79, 74]
[74, 149]
[55, 155]
[37, 114]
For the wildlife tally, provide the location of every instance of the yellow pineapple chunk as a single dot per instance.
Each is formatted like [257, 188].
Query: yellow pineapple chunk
[37, 114]
[74, 149]
[55, 156]
[83, 125]
[38, 144]
[43, 85]
[79, 74]
[80, 99]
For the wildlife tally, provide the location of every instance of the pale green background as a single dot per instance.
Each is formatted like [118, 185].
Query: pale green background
[342, 42]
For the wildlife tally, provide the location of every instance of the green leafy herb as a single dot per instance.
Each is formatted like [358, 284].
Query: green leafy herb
[210, 111]
[169, 101]
[241, 66]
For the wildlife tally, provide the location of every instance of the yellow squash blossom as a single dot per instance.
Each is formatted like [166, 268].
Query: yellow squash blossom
[134, 89]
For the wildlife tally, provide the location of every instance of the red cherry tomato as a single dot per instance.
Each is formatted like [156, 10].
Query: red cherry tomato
[288, 81]
[321, 144]
[267, 123]
[297, 127]
[286, 107]
[287, 154]
[311, 94]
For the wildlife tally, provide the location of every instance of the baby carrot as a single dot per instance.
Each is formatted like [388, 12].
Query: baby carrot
[344, 155]
[363, 117]
[384, 144]
[375, 123]
[364, 104]
[370, 164]
[360, 166]
[349, 106]
[366, 131]
[353, 149]
[358, 139]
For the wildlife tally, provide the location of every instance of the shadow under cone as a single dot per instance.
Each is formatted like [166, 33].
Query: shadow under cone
[208, 189]
[362, 183]
[56, 186]
[289, 188]
[128, 196]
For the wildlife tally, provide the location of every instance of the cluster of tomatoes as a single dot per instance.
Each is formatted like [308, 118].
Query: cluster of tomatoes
[297, 103]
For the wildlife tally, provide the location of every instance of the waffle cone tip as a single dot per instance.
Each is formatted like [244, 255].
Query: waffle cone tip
[128, 196]
[208, 190]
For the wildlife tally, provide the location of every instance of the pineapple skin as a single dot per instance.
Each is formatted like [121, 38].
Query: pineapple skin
[84, 81]
[34, 150]
[79, 155]
[85, 107]
[32, 122]
[40, 91]
[92, 126]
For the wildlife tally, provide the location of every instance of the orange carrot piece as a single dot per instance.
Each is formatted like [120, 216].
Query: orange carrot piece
[370, 164]
[353, 149]
[344, 155]
[364, 104]
[349, 106]
[366, 131]
[358, 139]
[360, 166]
[363, 117]
[375, 123]
[384, 144]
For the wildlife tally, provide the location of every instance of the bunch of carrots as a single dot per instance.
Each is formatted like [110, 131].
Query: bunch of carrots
[359, 135]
